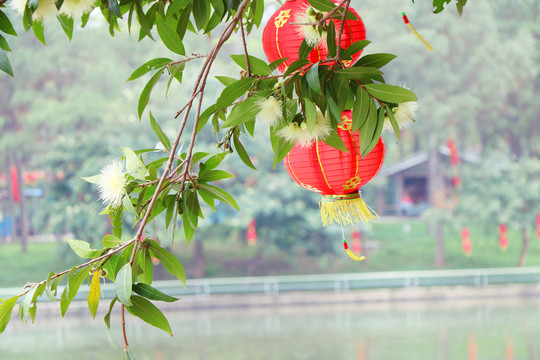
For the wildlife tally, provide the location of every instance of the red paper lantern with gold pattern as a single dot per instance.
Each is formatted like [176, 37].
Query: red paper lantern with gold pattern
[282, 39]
[336, 174]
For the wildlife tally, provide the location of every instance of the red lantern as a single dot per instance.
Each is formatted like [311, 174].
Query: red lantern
[281, 39]
[466, 243]
[337, 175]
[503, 237]
[251, 233]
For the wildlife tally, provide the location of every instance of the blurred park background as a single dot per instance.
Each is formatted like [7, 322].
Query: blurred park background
[461, 189]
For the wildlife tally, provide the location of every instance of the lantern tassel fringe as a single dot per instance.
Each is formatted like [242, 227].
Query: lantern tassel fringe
[345, 209]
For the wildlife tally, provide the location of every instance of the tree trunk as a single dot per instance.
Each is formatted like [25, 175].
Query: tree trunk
[524, 246]
[439, 248]
[199, 260]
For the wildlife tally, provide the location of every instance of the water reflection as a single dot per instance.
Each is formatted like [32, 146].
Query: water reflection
[438, 330]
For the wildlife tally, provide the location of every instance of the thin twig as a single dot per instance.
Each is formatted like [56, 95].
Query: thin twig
[245, 48]
[122, 312]
[193, 57]
[340, 33]
[325, 17]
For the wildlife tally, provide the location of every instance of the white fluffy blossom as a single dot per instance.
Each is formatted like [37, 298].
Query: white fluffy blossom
[271, 110]
[404, 114]
[301, 135]
[112, 184]
[76, 8]
[18, 5]
[306, 15]
[46, 10]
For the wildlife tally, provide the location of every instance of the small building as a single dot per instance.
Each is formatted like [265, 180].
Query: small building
[420, 181]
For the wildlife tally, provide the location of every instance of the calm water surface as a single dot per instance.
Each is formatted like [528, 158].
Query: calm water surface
[437, 330]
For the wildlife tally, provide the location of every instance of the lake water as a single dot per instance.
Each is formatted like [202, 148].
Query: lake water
[482, 329]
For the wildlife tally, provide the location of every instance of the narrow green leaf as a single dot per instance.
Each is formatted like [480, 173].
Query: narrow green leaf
[82, 248]
[149, 313]
[169, 36]
[354, 48]
[4, 44]
[358, 73]
[75, 279]
[219, 194]
[67, 24]
[146, 26]
[134, 165]
[144, 260]
[5, 25]
[123, 285]
[377, 132]
[304, 50]
[114, 7]
[280, 146]
[150, 65]
[5, 64]
[375, 60]
[390, 93]
[94, 294]
[26, 303]
[360, 109]
[331, 39]
[312, 77]
[110, 241]
[128, 355]
[311, 114]
[391, 117]
[233, 92]
[169, 261]
[107, 317]
[367, 130]
[335, 141]
[256, 65]
[144, 98]
[152, 293]
[159, 133]
[295, 66]
[6, 308]
[201, 13]
[242, 112]
[242, 153]
[322, 5]
[214, 175]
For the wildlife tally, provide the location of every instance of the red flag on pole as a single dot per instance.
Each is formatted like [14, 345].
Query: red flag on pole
[15, 184]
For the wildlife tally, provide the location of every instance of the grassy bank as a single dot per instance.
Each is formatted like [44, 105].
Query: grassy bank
[391, 246]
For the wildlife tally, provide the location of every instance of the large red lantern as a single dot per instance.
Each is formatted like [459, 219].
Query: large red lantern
[337, 175]
[282, 35]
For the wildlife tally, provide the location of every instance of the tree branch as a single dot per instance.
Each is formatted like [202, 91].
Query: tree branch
[245, 48]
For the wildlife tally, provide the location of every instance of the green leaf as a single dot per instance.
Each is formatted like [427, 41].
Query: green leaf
[312, 77]
[176, 72]
[377, 132]
[169, 36]
[4, 44]
[114, 7]
[390, 93]
[358, 73]
[146, 26]
[242, 153]
[152, 293]
[191, 207]
[150, 65]
[123, 284]
[311, 114]
[26, 303]
[256, 65]
[94, 294]
[67, 25]
[243, 112]
[128, 355]
[6, 308]
[169, 261]
[219, 194]
[159, 133]
[201, 13]
[367, 130]
[295, 66]
[176, 6]
[5, 64]
[134, 165]
[82, 248]
[375, 60]
[354, 48]
[331, 40]
[304, 50]
[233, 92]
[5, 25]
[335, 141]
[214, 161]
[226, 80]
[75, 279]
[107, 317]
[360, 109]
[280, 146]
[144, 98]
[214, 175]
[145, 263]
[322, 5]
[149, 313]
[110, 241]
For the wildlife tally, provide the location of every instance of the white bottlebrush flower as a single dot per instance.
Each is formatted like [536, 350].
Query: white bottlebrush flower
[76, 8]
[404, 114]
[301, 135]
[271, 110]
[306, 15]
[112, 184]
[18, 5]
[46, 10]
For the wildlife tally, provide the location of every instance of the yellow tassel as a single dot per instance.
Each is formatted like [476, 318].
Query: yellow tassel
[354, 257]
[406, 21]
[345, 209]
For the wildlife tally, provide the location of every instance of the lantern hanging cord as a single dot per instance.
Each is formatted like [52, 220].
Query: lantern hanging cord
[346, 247]
[406, 21]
